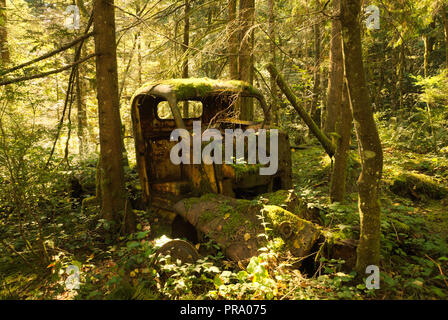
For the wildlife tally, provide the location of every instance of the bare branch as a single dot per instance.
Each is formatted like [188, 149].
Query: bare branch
[49, 54]
[42, 75]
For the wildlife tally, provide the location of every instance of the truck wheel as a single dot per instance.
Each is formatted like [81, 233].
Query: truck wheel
[179, 249]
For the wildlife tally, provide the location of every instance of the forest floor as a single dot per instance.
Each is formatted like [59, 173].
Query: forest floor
[414, 247]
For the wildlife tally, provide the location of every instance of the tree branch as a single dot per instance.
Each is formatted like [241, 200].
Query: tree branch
[49, 54]
[323, 139]
[42, 75]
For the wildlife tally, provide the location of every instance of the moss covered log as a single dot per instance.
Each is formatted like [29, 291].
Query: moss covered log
[417, 186]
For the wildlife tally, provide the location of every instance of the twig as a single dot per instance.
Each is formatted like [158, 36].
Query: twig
[440, 269]
[10, 247]
[125, 74]
[396, 233]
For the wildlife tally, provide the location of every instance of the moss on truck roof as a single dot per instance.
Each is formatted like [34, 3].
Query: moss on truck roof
[191, 88]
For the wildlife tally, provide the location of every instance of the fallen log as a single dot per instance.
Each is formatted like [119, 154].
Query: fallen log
[314, 128]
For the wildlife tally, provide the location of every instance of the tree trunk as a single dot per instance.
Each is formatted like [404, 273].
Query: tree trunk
[336, 72]
[82, 113]
[139, 59]
[401, 70]
[445, 28]
[315, 111]
[428, 42]
[371, 154]
[80, 94]
[339, 118]
[114, 204]
[426, 55]
[323, 96]
[186, 43]
[246, 63]
[343, 127]
[232, 41]
[273, 84]
[4, 50]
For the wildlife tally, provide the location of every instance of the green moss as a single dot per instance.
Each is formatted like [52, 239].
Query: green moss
[417, 186]
[223, 209]
[207, 216]
[189, 202]
[232, 215]
[231, 224]
[236, 217]
[208, 196]
[243, 86]
[191, 88]
[243, 169]
[277, 198]
[277, 214]
[228, 221]
[289, 200]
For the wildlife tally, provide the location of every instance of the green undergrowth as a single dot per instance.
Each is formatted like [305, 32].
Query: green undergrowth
[414, 254]
[137, 272]
[414, 224]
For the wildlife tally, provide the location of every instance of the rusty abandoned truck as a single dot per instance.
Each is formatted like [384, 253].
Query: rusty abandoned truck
[218, 200]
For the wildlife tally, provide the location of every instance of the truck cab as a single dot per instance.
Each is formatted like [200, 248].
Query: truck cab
[159, 108]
